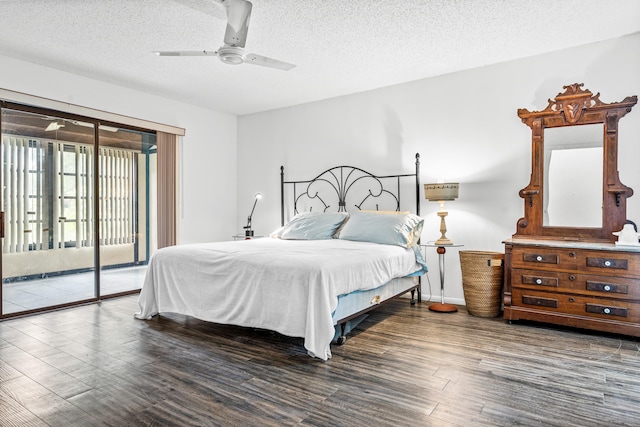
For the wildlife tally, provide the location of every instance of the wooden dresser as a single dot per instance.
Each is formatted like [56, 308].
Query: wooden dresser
[586, 285]
[562, 265]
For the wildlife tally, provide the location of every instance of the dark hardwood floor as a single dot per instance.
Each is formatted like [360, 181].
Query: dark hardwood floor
[404, 366]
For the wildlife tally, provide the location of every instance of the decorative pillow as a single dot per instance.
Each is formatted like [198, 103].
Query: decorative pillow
[313, 226]
[395, 229]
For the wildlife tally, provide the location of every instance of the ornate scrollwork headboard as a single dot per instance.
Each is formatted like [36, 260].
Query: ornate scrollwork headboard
[344, 188]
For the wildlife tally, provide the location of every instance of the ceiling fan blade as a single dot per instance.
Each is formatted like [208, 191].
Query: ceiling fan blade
[252, 58]
[186, 53]
[238, 14]
[211, 8]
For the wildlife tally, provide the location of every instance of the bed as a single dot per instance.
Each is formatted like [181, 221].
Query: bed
[344, 247]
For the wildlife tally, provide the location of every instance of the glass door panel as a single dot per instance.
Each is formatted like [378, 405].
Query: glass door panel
[47, 175]
[127, 165]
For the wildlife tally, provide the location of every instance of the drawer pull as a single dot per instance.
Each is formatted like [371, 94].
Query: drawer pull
[540, 281]
[572, 254]
[607, 287]
[542, 302]
[621, 264]
[572, 277]
[608, 310]
[541, 258]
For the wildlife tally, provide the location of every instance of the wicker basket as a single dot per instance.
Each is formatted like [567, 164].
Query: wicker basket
[482, 279]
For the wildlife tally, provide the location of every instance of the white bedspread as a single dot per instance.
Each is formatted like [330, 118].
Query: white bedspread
[288, 286]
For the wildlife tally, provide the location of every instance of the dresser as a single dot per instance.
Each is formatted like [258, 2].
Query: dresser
[578, 284]
[562, 265]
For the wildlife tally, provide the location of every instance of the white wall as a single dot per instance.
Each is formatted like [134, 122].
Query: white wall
[207, 208]
[465, 127]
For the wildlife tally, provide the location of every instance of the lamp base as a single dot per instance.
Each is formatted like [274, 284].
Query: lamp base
[443, 241]
[443, 307]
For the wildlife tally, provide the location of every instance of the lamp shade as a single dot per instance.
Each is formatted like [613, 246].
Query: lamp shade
[441, 191]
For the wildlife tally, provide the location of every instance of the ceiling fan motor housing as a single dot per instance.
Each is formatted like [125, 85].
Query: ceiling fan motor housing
[231, 55]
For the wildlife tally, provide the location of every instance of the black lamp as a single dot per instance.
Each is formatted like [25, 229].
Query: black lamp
[248, 232]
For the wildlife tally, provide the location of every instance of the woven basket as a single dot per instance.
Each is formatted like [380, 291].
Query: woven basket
[482, 278]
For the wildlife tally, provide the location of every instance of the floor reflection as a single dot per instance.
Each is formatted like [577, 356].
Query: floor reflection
[51, 291]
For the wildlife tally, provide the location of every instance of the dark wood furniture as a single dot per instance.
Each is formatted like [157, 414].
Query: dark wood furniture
[574, 275]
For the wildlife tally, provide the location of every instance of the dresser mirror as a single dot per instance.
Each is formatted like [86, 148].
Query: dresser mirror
[575, 192]
[572, 193]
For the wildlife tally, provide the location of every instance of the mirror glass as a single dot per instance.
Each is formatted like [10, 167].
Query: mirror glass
[573, 176]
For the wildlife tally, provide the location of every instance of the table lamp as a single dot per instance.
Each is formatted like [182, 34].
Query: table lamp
[442, 192]
[248, 232]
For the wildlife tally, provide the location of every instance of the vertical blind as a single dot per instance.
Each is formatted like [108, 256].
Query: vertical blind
[116, 191]
[50, 185]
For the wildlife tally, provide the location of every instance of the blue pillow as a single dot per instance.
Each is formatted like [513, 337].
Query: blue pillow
[313, 226]
[393, 229]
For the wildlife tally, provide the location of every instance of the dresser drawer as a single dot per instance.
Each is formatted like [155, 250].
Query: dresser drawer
[532, 257]
[572, 259]
[601, 308]
[585, 284]
[609, 262]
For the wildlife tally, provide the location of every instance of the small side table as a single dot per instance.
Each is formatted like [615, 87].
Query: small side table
[442, 307]
[243, 237]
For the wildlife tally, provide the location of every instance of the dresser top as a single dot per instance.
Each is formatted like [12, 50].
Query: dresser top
[573, 244]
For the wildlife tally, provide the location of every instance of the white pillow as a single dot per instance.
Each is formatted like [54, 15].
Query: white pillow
[395, 229]
[312, 226]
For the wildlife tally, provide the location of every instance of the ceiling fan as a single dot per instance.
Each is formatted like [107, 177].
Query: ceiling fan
[235, 37]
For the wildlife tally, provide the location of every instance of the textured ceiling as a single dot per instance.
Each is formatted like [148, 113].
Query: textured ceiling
[339, 46]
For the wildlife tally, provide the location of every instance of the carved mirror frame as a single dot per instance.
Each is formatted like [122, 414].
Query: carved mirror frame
[573, 107]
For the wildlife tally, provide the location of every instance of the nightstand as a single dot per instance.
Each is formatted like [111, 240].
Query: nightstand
[243, 237]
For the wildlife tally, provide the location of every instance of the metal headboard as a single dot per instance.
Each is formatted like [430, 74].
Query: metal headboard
[335, 189]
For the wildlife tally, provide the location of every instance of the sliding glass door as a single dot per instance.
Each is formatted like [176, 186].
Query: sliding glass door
[76, 196]
[127, 165]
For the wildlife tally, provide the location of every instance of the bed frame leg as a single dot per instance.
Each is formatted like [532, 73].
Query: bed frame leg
[413, 292]
[342, 338]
